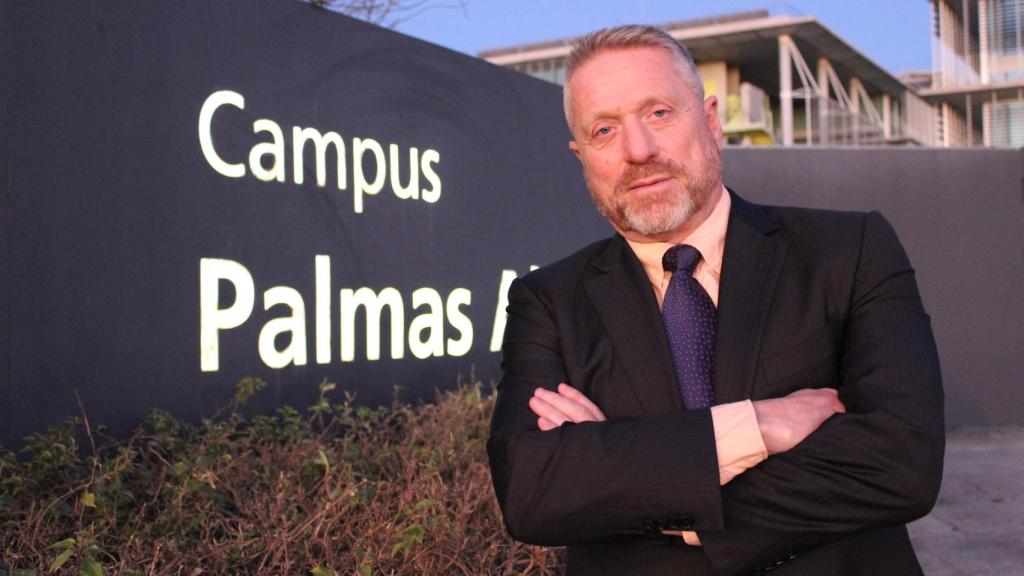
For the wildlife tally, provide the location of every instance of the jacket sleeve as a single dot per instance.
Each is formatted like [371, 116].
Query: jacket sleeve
[877, 465]
[590, 481]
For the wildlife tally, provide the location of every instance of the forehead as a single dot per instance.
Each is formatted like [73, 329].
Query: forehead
[616, 80]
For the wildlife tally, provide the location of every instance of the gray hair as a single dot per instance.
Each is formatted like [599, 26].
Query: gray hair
[624, 37]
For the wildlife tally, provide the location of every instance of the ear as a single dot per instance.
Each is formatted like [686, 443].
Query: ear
[714, 122]
[575, 149]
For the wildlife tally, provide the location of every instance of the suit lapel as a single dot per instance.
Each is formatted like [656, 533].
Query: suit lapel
[628, 309]
[626, 305]
[750, 271]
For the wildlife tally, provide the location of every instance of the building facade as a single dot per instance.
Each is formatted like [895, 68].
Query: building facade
[977, 84]
[788, 80]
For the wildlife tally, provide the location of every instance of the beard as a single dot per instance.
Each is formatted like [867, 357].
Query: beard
[658, 213]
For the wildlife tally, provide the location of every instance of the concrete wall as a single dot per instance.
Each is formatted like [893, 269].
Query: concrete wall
[960, 215]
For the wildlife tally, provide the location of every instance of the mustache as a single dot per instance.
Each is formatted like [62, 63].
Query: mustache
[637, 172]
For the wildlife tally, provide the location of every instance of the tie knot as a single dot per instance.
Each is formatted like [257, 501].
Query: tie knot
[681, 258]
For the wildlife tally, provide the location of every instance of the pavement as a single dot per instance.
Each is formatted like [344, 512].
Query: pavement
[977, 525]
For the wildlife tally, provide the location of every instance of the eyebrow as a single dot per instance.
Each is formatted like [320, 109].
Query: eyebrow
[647, 103]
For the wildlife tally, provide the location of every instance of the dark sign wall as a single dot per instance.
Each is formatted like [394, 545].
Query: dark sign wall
[6, 65]
[197, 192]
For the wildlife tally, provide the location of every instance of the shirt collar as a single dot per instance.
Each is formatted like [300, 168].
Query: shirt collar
[709, 238]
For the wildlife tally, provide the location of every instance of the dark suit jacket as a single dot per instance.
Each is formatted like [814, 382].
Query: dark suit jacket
[807, 298]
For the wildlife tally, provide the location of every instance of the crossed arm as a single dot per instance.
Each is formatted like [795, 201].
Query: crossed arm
[783, 422]
[832, 474]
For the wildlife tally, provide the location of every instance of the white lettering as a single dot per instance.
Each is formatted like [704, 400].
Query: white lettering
[295, 323]
[372, 303]
[429, 158]
[213, 318]
[438, 325]
[412, 189]
[322, 274]
[321, 142]
[212, 103]
[459, 321]
[360, 186]
[431, 321]
[500, 315]
[371, 167]
[273, 149]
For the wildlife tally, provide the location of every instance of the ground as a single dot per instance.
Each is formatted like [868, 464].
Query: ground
[977, 526]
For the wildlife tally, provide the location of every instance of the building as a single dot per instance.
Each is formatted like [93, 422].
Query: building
[788, 80]
[977, 84]
[780, 79]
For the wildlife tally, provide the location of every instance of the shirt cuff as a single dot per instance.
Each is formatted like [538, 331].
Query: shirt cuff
[689, 536]
[737, 439]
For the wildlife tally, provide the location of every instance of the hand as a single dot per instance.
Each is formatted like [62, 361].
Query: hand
[786, 421]
[567, 405]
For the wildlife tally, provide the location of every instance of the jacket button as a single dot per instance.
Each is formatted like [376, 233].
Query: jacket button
[679, 523]
[652, 531]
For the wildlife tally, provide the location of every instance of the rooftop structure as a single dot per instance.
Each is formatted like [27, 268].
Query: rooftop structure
[780, 79]
[789, 80]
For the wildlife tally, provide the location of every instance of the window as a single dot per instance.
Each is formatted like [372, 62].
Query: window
[1008, 124]
[1004, 26]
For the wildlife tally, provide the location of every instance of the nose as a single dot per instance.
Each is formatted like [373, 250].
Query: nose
[638, 142]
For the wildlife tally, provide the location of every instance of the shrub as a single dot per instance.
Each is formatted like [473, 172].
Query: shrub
[337, 489]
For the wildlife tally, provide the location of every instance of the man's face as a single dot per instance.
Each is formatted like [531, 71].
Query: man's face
[651, 150]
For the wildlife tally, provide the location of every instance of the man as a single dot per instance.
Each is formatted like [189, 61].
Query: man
[720, 388]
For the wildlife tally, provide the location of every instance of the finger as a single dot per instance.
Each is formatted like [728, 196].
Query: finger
[544, 424]
[821, 399]
[545, 410]
[816, 392]
[833, 395]
[570, 408]
[574, 394]
[581, 399]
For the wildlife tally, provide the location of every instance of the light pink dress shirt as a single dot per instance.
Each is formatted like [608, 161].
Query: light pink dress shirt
[737, 437]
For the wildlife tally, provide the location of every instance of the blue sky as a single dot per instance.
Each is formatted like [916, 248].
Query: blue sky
[893, 33]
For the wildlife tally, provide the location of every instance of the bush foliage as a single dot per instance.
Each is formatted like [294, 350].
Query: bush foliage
[337, 489]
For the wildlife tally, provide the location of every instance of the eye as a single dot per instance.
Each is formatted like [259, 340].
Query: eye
[602, 131]
[661, 112]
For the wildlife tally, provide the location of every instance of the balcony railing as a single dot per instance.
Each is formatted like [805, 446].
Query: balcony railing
[951, 68]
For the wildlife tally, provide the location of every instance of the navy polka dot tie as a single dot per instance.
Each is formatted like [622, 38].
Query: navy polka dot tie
[690, 325]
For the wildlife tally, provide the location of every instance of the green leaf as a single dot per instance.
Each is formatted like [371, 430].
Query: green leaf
[65, 543]
[89, 499]
[61, 559]
[246, 388]
[321, 459]
[321, 571]
[423, 504]
[366, 570]
[90, 567]
[414, 534]
[408, 539]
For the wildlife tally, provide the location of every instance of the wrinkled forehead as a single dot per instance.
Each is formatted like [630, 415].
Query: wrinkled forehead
[615, 80]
